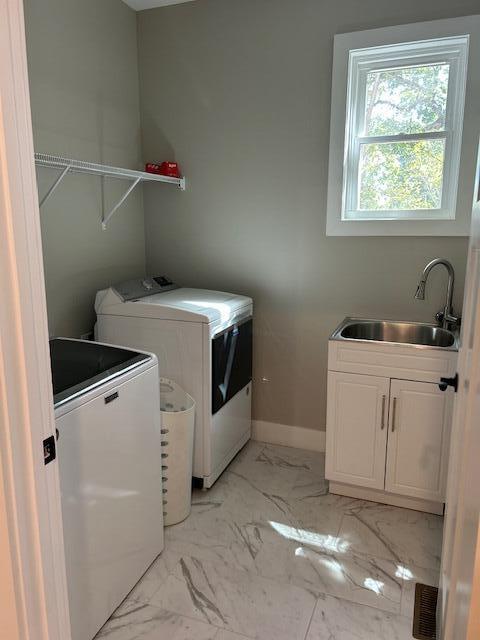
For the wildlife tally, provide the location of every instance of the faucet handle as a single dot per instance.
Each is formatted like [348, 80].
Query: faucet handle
[441, 317]
[453, 320]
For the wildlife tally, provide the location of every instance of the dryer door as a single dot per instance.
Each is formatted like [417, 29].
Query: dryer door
[231, 362]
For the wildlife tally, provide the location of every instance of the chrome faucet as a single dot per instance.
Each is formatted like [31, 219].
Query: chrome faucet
[445, 317]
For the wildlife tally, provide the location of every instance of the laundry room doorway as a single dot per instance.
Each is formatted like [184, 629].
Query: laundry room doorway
[32, 567]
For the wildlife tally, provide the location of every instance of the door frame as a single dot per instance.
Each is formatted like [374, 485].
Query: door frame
[32, 566]
[32, 563]
[458, 615]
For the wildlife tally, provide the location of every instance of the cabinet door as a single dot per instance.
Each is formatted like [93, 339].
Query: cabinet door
[418, 440]
[357, 424]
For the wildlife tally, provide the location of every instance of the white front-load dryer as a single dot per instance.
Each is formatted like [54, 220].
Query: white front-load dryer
[203, 340]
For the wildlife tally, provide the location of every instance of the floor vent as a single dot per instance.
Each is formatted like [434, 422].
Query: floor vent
[424, 614]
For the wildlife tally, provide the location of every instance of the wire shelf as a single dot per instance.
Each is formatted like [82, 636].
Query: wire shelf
[68, 165]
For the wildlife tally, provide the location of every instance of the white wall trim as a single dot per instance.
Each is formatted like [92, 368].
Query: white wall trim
[384, 497]
[141, 5]
[288, 435]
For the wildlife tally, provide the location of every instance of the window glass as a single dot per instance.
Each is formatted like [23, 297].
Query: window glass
[406, 100]
[401, 175]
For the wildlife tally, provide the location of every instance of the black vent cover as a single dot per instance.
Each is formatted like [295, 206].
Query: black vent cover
[425, 612]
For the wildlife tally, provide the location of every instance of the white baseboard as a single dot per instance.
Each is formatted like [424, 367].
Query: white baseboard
[383, 497]
[288, 435]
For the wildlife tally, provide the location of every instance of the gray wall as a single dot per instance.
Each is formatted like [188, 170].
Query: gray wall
[82, 57]
[239, 93]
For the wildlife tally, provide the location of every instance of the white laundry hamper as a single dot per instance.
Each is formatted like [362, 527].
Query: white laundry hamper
[178, 421]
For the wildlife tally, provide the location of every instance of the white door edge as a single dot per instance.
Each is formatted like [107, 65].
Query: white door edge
[32, 573]
[459, 604]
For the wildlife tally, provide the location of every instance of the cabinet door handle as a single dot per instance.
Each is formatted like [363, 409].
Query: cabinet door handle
[394, 413]
[382, 425]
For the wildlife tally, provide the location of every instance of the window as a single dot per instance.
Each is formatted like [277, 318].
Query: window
[398, 97]
[403, 130]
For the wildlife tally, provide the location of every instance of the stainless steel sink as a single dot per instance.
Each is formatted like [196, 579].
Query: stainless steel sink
[412, 333]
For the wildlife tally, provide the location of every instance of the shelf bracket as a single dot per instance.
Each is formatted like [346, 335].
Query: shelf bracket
[55, 184]
[106, 218]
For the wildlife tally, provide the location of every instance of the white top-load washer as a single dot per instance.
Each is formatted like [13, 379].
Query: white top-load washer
[107, 415]
[203, 340]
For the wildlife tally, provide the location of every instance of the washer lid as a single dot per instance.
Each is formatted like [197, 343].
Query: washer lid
[80, 365]
[190, 305]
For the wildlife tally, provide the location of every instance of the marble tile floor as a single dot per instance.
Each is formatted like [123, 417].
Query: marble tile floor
[269, 554]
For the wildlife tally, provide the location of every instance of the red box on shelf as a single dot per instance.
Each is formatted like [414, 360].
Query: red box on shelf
[170, 169]
[152, 167]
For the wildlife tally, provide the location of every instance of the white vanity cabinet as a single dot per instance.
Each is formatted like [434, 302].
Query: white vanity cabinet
[388, 437]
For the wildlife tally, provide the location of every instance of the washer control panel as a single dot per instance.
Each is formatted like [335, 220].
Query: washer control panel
[135, 289]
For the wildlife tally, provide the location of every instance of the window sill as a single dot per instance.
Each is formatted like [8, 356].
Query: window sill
[434, 215]
[337, 227]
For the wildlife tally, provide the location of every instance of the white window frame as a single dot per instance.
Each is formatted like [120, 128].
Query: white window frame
[421, 43]
[443, 50]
